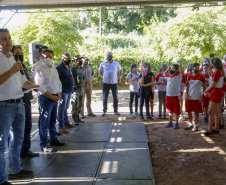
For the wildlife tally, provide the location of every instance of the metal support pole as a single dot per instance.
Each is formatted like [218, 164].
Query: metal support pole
[9, 19]
[100, 23]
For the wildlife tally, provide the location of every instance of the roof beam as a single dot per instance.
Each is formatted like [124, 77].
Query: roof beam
[106, 4]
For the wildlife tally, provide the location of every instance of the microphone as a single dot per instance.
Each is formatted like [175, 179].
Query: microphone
[17, 58]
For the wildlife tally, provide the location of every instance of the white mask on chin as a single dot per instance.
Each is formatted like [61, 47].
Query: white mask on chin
[48, 61]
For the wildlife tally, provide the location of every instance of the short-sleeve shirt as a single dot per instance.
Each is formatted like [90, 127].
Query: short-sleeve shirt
[148, 77]
[110, 71]
[161, 78]
[134, 85]
[173, 84]
[218, 77]
[195, 85]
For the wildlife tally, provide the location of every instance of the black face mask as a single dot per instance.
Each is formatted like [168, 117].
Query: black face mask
[109, 57]
[80, 63]
[196, 71]
[67, 62]
[172, 72]
[86, 63]
[189, 70]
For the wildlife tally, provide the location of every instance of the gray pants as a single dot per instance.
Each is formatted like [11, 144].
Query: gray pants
[162, 101]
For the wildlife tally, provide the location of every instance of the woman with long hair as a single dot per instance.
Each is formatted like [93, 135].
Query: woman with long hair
[216, 95]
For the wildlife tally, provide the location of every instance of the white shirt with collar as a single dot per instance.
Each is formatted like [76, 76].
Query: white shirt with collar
[110, 71]
[34, 68]
[48, 79]
[12, 87]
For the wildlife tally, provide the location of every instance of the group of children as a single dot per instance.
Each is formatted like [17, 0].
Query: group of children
[203, 92]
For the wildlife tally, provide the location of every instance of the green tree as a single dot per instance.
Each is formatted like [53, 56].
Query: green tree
[55, 30]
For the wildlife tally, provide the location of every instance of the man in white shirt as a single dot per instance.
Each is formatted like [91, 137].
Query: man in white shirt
[50, 92]
[108, 70]
[12, 112]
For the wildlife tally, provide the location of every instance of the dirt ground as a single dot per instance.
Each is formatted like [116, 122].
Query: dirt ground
[179, 157]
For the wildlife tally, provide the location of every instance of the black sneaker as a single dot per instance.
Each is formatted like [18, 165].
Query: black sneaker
[6, 183]
[215, 132]
[22, 174]
[159, 116]
[149, 117]
[80, 121]
[164, 117]
[56, 143]
[58, 134]
[206, 134]
[92, 115]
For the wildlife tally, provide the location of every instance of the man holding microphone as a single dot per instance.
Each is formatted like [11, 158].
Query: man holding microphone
[12, 112]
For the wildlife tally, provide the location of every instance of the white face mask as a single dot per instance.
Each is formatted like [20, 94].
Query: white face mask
[145, 69]
[213, 70]
[48, 61]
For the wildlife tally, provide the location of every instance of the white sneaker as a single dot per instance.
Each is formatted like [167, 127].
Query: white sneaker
[181, 118]
[194, 129]
[46, 149]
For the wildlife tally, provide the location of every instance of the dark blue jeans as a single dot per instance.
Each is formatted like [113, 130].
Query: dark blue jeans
[64, 104]
[27, 130]
[132, 96]
[143, 99]
[48, 109]
[114, 89]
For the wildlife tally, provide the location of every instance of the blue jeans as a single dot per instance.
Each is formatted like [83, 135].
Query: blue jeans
[27, 130]
[62, 109]
[106, 88]
[48, 110]
[12, 116]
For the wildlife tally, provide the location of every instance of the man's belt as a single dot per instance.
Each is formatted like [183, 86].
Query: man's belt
[54, 94]
[13, 100]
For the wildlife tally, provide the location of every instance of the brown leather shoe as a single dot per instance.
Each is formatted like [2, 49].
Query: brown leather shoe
[69, 126]
[63, 130]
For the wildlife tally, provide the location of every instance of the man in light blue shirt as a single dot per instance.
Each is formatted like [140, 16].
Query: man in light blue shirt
[108, 70]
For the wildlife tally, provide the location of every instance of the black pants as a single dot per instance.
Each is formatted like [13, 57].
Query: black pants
[27, 129]
[114, 89]
[132, 95]
[143, 99]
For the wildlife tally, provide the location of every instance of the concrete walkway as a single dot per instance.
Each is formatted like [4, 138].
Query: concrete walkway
[94, 154]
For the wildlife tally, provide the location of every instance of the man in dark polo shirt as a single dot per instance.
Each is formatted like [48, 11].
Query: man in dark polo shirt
[67, 81]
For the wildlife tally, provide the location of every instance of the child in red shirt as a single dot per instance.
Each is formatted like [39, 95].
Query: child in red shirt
[216, 95]
[194, 96]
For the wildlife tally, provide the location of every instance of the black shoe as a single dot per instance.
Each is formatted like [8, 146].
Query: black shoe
[56, 143]
[82, 116]
[117, 113]
[29, 154]
[6, 183]
[164, 117]
[103, 113]
[92, 115]
[80, 121]
[159, 117]
[22, 174]
[149, 117]
[142, 118]
[215, 132]
[206, 134]
[58, 134]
